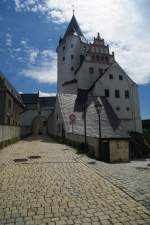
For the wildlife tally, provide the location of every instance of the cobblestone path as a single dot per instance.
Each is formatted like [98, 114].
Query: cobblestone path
[59, 189]
[134, 177]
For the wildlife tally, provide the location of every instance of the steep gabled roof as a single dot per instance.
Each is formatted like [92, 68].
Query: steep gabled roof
[73, 28]
[109, 128]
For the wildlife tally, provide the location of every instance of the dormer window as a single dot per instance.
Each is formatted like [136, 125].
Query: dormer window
[91, 70]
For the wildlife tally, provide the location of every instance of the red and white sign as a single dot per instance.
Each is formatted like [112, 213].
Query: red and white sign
[72, 117]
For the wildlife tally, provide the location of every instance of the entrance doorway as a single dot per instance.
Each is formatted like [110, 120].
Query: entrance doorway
[39, 126]
[104, 152]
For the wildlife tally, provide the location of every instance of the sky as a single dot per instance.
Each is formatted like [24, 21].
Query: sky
[30, 31]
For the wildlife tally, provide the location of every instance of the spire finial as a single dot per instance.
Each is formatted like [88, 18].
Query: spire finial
[73, 9]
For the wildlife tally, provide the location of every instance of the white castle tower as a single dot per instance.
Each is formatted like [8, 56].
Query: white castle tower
[91, 68]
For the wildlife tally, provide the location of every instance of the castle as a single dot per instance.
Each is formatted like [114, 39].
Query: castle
[88, 73]
[96, 106]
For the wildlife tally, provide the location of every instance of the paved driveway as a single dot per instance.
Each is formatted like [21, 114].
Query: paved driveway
[59, 189]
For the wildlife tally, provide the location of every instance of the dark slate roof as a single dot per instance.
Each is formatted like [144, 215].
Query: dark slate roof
[34, 99]
[47, 101]
[30, 99]
[74, 28]
[11, 89]
[67, 103]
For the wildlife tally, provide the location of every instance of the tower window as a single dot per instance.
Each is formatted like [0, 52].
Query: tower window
[63, 58]
[106, 93]
[72, 45]
[111, 76]
[120, 77]
[63, 47]
[72, 56]
[91, 70]
[117, 108]
[72, 68]
[117, 94]
[127, 95]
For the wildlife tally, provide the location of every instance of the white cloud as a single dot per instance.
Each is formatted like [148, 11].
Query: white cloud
[8, 40]
[46, 94]
[120, 22]
[33, 55]
[46, 70]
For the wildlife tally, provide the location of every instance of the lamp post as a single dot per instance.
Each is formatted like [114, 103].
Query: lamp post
[98, 107]
[85, 141]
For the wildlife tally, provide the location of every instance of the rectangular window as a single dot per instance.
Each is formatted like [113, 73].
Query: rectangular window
[72, 56]
[117, 94]
[111, 76]
[106, 93]
[100, 71]
[63, 58]
[91, 70]
[120, 77]
[127, 95]
[63, 47]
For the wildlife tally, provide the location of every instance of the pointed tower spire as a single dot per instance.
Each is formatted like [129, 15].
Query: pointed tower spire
[73, 27]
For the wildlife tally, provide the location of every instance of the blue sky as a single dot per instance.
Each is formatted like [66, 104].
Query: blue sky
[30, 30]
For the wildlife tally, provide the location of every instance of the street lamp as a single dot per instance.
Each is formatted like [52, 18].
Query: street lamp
[98, 107]
[84, 116]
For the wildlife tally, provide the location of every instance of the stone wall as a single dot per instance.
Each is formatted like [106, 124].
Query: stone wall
[12, 132]
[118, 149]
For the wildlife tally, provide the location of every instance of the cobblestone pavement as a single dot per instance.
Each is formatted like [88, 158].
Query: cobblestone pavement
[59, 189]
[133, 177]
